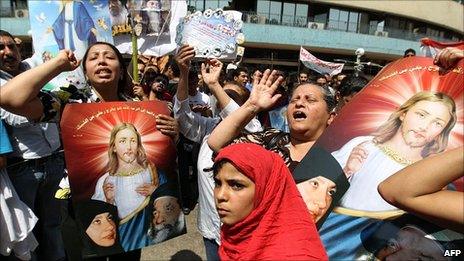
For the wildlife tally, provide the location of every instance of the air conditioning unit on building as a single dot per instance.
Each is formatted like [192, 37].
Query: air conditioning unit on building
[21, 13]
[313, 25]
[381, 33]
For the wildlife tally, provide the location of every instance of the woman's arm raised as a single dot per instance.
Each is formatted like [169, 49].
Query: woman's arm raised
[261, 98]
[19, 95]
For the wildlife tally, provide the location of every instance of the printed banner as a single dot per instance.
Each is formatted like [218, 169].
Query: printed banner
[122, 177]
[409, 104]
[67, 24]
[213, 34]
[322, 67]
[155, 23]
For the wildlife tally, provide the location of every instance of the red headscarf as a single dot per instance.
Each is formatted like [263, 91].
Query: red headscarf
[279, 227]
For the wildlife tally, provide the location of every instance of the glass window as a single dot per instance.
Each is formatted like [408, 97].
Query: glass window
[334, 14]
[288, 14]
[263, 8]
[6, 9]
[353, 22]
[211, 4]
[275, 11]
[301, 15]
[197, 4]
[343, 20]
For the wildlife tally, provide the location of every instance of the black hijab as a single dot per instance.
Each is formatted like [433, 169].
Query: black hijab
[319, 162]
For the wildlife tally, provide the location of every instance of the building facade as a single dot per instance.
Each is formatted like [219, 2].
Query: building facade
[330, 29]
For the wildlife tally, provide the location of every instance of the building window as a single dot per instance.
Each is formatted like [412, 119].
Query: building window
[201, 5]
[275, 12]
[288, 14]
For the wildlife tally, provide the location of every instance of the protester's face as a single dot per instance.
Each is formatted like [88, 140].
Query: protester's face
[193, 81]
[102, 230]
[423, 122]
[234, 194]
[410, 244]
[126, 145]
[303, 77]
[10, 57]
[102, 65]
[307, 111]
[241, 79]
[317, 194]
[346, 99]
[321, 80]
[158, 85]
[410, 54]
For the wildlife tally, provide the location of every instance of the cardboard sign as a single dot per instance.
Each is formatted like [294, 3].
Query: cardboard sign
[120, 164]
[213, 34]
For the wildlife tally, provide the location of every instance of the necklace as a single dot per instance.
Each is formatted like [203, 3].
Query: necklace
[394, 155]
[131, 172]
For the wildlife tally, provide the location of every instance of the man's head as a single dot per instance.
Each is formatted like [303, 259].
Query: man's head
[167, 218]
[10, 57]
[115, 7]
[303, 77]
[125, 145]
[425, 120]
[350, 86]
[241, 76]
[409, 53]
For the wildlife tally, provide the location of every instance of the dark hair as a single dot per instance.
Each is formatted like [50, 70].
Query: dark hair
[122, 66]
[173, 65]
[329, 96]
[410, 50]
[7, 34]
[352, 84]
[236, 72]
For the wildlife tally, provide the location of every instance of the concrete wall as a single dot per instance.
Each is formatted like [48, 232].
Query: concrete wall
[291, 38]
[446, 13]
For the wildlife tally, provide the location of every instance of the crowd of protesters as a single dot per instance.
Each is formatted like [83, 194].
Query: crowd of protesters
[225, 124]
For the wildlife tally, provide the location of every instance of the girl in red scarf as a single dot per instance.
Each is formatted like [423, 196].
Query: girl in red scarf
[263, 214]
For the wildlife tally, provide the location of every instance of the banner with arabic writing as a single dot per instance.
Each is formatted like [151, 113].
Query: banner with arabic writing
[121, 172]
[320, 66]
[409, 104]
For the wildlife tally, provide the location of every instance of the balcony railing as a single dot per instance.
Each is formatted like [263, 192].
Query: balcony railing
[337, 25]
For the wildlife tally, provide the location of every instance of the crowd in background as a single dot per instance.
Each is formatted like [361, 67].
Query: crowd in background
[210, 107]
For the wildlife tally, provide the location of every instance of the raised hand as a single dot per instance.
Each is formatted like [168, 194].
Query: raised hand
[108, 190]
[356, 159]
[211, 70]
[66, 60]
[184, 56]
[139, 92]
[146, 189]
[262, 95]
[448, 57]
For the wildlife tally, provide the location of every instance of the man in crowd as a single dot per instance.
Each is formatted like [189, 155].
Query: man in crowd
[241, 76]
[409, 53]
[36, 164]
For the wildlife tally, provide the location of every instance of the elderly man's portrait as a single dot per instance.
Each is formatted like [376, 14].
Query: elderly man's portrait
[166, 219]
[408, 238]
[118, 12]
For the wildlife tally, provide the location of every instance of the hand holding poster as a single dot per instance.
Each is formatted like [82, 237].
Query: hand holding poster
[213, 34]
[120, 164]
[408, 112]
